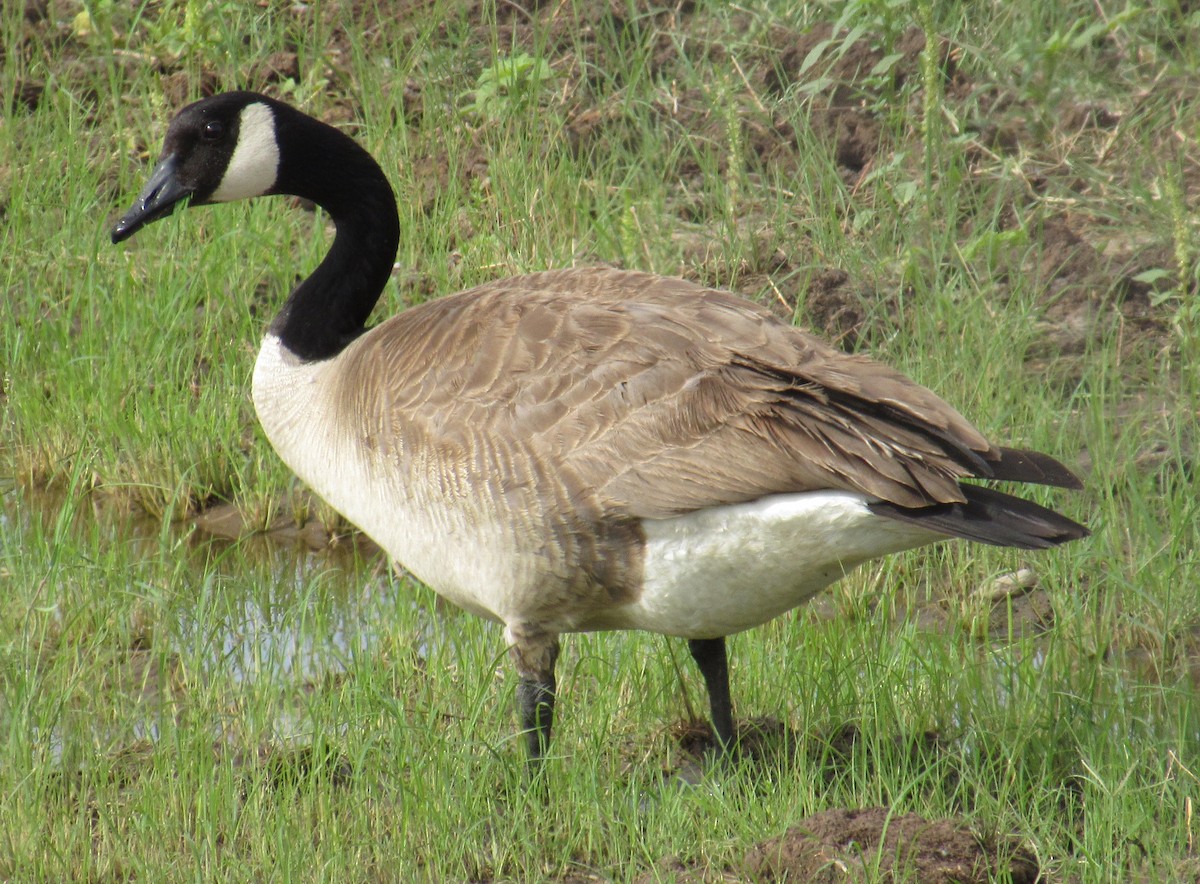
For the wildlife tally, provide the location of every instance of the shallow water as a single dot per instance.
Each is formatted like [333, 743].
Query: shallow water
[255, 638]
[263, 613]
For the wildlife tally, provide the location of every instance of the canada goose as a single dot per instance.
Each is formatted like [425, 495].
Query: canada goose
[584, 449]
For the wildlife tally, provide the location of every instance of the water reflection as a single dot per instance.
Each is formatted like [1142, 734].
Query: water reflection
[157, 619]
[262, 631]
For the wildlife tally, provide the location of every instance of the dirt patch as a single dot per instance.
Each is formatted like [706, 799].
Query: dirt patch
[842, 310]
[847, 81]
[1088, 291]
[870, 844]
[692, 749]
[852, 845]
[228, 522]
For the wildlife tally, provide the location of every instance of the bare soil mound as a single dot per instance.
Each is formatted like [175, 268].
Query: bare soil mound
[846, 845]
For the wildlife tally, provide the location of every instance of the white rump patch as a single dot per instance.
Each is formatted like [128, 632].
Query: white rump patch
[724, 569]
[255, 162]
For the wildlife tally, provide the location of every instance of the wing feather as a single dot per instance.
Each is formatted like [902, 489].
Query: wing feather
[647, 397]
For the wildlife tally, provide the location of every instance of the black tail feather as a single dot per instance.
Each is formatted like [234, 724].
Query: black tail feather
[993, 517]
[1023, 465]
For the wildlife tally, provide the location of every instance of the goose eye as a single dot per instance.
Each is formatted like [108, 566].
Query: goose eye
[212, 131]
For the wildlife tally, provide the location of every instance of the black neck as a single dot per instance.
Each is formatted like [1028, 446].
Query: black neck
[330, 308]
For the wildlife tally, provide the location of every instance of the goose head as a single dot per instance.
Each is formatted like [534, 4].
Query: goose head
[216, 150]
[239, 145]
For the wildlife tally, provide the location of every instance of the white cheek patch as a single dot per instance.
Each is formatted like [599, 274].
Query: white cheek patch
[255, 161]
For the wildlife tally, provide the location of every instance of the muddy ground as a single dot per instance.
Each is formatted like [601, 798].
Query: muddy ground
[867, 844]
[1094, 280]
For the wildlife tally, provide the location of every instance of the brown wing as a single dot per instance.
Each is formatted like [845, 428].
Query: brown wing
[648, 397]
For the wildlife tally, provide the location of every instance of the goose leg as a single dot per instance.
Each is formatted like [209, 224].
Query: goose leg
[709, 654]
[534, 654]
[535, 702]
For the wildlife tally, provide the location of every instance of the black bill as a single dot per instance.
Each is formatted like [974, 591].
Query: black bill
[157, 200]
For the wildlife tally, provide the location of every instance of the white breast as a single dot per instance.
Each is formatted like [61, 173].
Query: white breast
[473, 567]
[726, 569]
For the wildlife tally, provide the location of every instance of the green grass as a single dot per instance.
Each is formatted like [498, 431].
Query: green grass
[176, 707]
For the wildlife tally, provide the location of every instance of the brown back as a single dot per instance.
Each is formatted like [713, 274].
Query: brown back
[641, 396]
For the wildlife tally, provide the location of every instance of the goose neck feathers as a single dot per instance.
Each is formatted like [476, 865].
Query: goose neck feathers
[317, 162]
